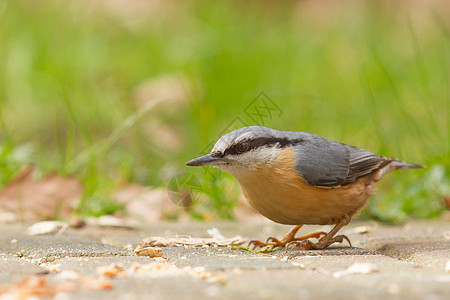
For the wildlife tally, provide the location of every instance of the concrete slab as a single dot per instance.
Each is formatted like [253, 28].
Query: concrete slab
[431, 253]
[313, 280]
[226, 258]
[409, 261]
[15, 269]
[40, 249]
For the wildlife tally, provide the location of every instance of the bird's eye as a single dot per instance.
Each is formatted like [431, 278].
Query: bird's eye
[242, 147]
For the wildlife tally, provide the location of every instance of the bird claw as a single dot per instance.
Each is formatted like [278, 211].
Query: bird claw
[322, 244]
[288, 241]
[274, 241]
[254, 244]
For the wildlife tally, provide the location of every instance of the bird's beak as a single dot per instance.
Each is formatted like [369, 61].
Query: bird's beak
[205, 160]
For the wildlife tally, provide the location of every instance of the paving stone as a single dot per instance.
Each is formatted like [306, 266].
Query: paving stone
[226, 258]
[14, 269]
[409, 260]
[431, 253]
[48, 247]
[393, 277]
[394, 280]
[318, 283]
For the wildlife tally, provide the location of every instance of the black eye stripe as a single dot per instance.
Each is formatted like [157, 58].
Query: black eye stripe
[258, 142]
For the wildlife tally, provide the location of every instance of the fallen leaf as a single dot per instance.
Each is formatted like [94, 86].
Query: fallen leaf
[190, 241]
[35, 200]
[148, 251]
[447, 202]
[36, 287]
[47, 227]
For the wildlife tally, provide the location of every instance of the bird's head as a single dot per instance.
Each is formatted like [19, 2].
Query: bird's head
[244, 149]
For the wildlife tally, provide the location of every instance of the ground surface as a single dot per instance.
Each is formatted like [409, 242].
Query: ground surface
[388, 262]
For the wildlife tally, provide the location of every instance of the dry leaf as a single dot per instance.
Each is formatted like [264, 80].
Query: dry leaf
[190, 241]
[47, 227]
[148, 251]
[36, 287]
[32, 200]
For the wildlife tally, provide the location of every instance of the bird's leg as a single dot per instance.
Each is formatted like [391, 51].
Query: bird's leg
[327, 240]
[288, 238]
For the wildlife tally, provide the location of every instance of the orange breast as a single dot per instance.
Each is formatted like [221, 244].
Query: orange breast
[277, 192]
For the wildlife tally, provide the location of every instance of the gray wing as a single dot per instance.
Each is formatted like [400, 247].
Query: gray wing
[326, 163]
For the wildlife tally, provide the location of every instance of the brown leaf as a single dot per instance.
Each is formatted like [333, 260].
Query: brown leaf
[36, 286]
[34, 200]
[148, 251]
[447, 202]
[190, 241]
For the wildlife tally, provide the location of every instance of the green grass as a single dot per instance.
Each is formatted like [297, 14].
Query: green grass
[370, 74]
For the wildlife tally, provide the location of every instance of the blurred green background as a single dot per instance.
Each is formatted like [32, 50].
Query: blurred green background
[80, 83]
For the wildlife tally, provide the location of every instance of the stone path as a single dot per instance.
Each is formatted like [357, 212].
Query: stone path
[388, 262]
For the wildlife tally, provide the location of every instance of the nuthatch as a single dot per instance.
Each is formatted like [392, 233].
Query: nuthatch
[299, 178]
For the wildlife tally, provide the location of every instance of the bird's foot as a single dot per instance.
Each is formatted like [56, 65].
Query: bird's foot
[323, 243]
[289, 238]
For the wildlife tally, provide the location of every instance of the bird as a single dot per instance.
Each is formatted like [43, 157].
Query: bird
[298, 178]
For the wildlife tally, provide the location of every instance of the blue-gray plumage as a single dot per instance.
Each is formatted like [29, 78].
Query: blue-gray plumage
[320, 162]
[294, 177]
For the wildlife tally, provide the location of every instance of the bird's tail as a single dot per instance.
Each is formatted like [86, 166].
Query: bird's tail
[398, 164]
[394, 165]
